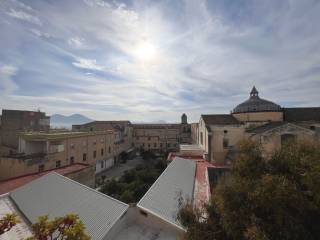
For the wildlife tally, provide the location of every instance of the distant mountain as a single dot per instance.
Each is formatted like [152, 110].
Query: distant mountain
[58, 120]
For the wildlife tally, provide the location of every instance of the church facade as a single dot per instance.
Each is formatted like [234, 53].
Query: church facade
[258, 119]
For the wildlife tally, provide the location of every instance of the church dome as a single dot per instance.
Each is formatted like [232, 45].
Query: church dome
[256, 104]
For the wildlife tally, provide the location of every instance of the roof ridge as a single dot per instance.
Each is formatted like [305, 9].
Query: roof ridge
[80, 184]
[175, 158]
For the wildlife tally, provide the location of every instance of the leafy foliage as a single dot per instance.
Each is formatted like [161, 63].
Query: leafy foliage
[135, 182]
[263, 198]
[8, 222]
[69, 227]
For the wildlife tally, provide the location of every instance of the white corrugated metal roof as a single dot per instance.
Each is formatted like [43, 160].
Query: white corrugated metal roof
[55, 195]
[162, 199]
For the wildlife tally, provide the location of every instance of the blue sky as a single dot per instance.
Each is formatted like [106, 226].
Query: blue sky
[153, 60]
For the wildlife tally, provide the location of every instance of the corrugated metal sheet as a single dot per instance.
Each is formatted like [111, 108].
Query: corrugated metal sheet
[162, 199]
[55, 195]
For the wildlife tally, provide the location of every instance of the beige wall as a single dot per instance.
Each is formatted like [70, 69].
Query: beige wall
[156, 138]
[203, 136]
[73, 148]
[194, 133]
[229, 133]
[271, 141]
[259, 116]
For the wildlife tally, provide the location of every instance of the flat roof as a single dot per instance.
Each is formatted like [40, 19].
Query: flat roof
[42, 136]
[55, 196]
[13, 183]
[162, 199]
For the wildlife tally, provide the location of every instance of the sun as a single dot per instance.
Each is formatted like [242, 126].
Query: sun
[146, 51]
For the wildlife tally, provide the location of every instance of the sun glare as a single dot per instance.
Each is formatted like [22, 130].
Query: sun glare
[146, 51]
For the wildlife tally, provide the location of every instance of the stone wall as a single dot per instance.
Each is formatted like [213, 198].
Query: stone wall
[259, 116]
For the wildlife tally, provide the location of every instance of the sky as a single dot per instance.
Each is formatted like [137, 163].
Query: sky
[154, 60]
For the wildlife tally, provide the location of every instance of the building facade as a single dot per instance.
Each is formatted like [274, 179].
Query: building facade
[122, 130]
[162, 137]
[38, 152]
[13, 122]
[258, 119]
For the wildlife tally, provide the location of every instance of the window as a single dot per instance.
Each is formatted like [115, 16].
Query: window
[137, 138]
[102, 151]
[225, 131]
[102, 164]
[58, 164]
[201, 138]
[225, 143]
[94, 154]
[109, 149]
[72, 146]
[155, 145]
[161, 145]
[41, 168]
[71, 160]
[168, 144]
[149, 138]
[84, 157]
[142, 144]
[148, 145]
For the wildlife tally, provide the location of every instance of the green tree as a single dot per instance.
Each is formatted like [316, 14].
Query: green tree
[135, 182]
[274, 197]
[69, 227]
[8, 222]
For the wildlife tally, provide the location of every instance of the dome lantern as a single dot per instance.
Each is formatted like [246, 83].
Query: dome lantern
[254, 92]
[256, 104]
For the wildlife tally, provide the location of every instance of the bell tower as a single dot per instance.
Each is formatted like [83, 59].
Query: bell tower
[184, 119]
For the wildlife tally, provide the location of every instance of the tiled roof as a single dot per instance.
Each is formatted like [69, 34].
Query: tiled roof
[157, 126]
[13, 183]
[55, 195]
[301, 114]
[162, 199]
[265, 127]
[272, 125]
[219, 119]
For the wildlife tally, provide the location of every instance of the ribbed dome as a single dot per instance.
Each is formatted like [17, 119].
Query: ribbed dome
[256, 104]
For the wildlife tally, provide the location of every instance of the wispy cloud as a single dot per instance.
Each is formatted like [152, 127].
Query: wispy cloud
[21, 15]
[7, 85]
[90, 64]
[77, 42]
[150, 60]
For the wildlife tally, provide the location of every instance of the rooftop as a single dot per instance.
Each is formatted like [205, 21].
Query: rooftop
[156, 125]
[301, 114]
[42, 136]
[55, 195]
[162, 199]
[256, 104]
[13, 183]
[272, 125]
[219, 119]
